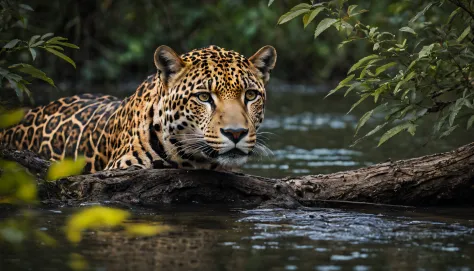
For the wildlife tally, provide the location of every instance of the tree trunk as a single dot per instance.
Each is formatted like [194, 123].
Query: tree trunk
[439, 179]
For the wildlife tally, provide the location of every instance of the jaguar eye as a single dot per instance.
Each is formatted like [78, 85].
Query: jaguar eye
[251, 95]
[204, 97]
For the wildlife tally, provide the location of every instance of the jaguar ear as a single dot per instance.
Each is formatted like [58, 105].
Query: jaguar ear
[264, 60]
[167, 62]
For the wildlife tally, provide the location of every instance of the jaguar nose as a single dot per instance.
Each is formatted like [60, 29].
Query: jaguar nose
[235, 135]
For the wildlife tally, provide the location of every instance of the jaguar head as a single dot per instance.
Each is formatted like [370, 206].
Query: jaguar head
[213, 104]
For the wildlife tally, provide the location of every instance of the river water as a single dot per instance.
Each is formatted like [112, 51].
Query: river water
[307, 135]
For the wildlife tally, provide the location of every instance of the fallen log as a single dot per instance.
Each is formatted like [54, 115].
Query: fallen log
[434, 180]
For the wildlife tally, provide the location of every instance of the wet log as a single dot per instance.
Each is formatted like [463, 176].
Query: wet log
[434, 180]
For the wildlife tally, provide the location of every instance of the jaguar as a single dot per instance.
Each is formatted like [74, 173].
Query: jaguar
[200, 110]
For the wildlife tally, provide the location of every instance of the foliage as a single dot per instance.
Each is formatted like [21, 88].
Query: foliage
[118, 38]
[10, 117]
[17, 186]
[422, 69]
[16, 75]
[98, 217]
[65, 168]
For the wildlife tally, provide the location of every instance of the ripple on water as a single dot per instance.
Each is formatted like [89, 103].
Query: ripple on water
[296, 160]
[343, 226]
[310, 121]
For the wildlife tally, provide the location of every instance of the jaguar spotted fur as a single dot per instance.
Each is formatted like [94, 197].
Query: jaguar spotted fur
[200, 110]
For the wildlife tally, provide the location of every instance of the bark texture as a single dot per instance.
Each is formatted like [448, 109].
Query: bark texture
[434, 180]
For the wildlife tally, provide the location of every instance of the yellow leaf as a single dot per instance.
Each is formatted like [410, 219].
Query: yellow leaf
[10, 118]
[16, 184]
[26, 192]
[7, 200]
[145, 229]
[77, 262]
[65, 168]
[45, 238]
[93, 218]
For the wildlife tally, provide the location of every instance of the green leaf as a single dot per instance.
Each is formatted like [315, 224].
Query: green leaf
[392, 132]
[425, 51]
[65, 44]
[470, 121]
[408, 29]
[301, 6]
[11, 44]
[29, 69]
[341, 84]
[55, 47]
[372, 132]
[361, 61]
[270, 2]
[406, 79]
[384, 67]
[351, 8]
[363, 97]
[353, 86]
[449, 131]
[36, 44]
[412, 64]
[323, 25]
[402, 113]
[61, 55]
[363, 120]
[366, 68]
[439, 124]
[291, 15]
[33, 39]
[33, 53]
[421, 13]
[412, 129]
[464, 34]
[344, 26]
[309, 17]
[455, 110]
[26, 7]
[379, 91]
[451, 16]
[54, 39]
[358, 12]
[47, 35]
[376, 46]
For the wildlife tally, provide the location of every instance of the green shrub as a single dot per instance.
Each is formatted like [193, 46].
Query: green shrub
[17, 75]
[422, 69]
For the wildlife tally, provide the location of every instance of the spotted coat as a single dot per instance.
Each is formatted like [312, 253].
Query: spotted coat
[200, 110]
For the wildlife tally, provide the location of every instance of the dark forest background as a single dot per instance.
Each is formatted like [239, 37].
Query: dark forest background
[117, 38]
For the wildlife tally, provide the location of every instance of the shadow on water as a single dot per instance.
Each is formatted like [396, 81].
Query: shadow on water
[308, 135]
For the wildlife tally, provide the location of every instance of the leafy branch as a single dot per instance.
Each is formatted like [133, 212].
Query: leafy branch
[422, 69]
[19, 75]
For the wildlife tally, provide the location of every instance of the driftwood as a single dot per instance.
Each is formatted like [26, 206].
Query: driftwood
[434, 180]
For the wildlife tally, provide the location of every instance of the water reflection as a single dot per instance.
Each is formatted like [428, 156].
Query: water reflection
[216, 238]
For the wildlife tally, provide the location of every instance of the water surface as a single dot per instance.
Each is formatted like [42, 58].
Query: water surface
[216, 238]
